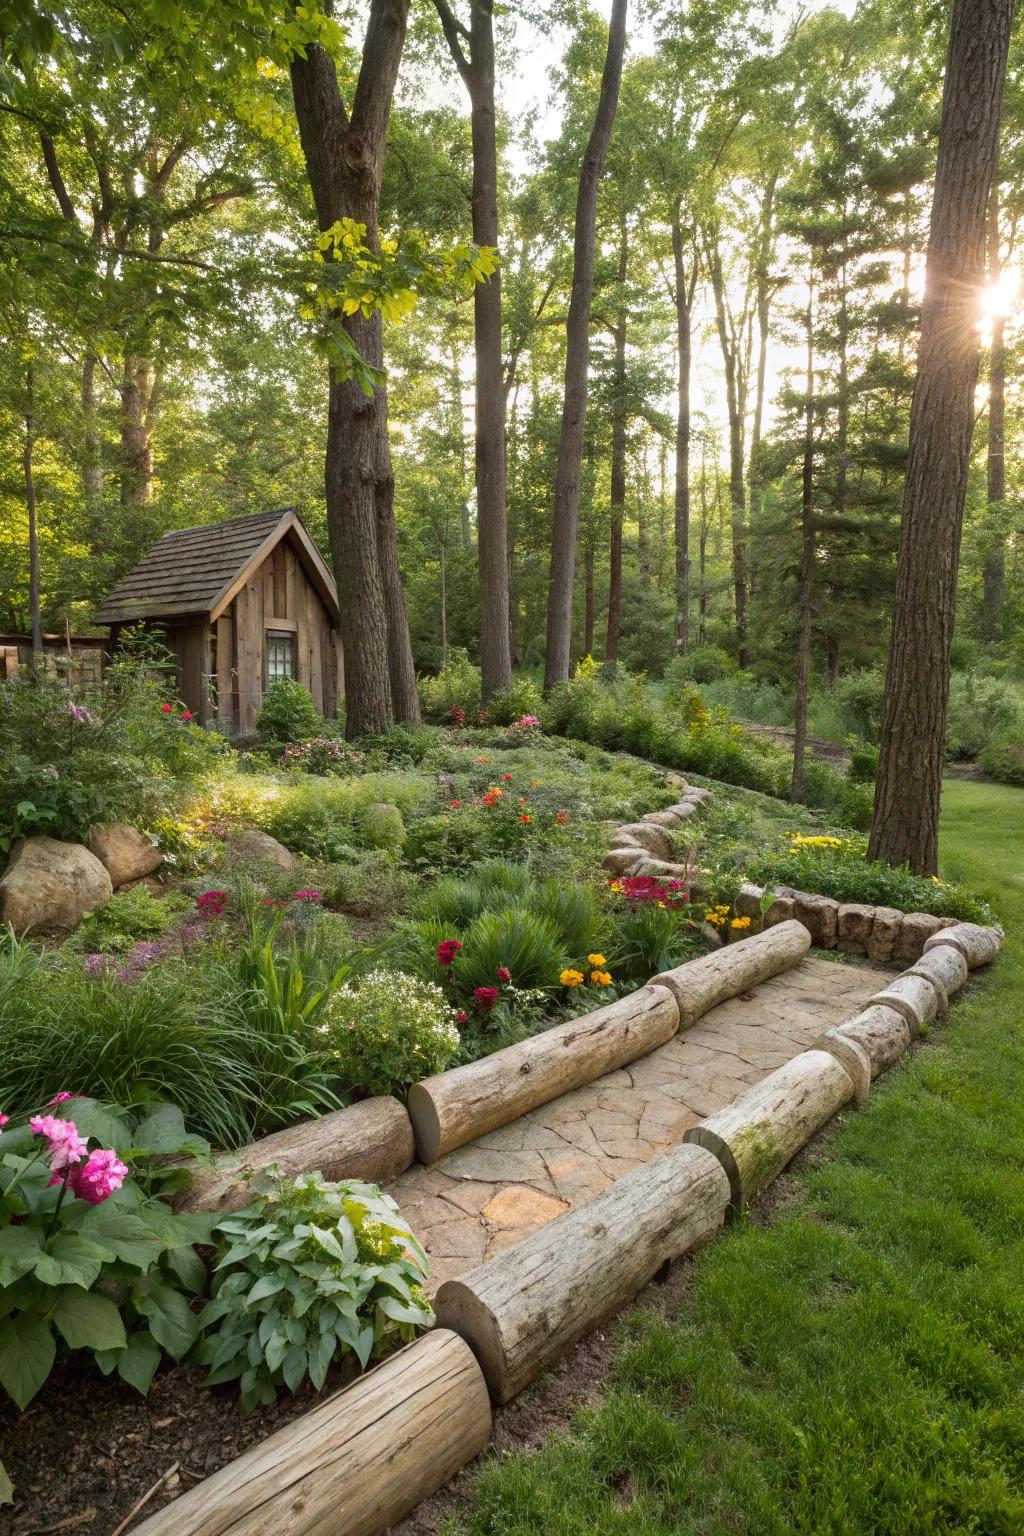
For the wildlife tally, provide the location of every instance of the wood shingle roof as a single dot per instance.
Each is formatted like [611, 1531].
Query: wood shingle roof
[198, 570]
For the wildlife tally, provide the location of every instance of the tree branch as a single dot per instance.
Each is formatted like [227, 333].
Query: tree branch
[53, 171]
[455, 34]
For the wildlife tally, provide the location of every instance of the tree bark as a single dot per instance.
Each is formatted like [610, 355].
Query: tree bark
[35, 611]
[137, 415]
[805, 581]
[905, 824]
[344, 159]
[737, 480]
[699, 985]
[476, 66]
[762, 293]
[577, 360]
[995, 555]
[685, 287]
[618, 458]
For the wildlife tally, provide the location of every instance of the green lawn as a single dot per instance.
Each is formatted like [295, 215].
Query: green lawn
[856, 1366]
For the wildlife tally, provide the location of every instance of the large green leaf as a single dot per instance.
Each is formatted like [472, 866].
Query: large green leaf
[137, 1363]
[27, 1351]
[161, 1132]
[126, 1233]
[189, 1268]
[87, 1320]
[172, 1321]
[19, 1252]
[6, 1487]
[71, 1259]
[100, 1122]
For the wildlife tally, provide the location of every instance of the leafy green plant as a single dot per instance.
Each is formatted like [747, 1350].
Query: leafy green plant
[90, 1256]
[311, 1273]
[288, 713]
[456, 687]
[649, 939]
[837, 867]
[1003, 757]
[387, 1030]
[522, 697]
[125, 918]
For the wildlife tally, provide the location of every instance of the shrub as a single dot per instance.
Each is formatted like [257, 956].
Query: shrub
[388, 1030]
[382, 826]
[863, 761]
[288, 713]
[700, 664]
[979, 707]
[120, 752]
[322, 756]
[855, 702]
[512, 703]
[90, 1256]
[127, 917]
[1003, 757]
[311, 1272]
[456, 687]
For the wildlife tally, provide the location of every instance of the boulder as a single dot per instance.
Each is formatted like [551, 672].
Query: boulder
[748, 900]
[655, 839]
[855, 921]
[251, 846]
[49, 886]
[782, 909]
[915, 929]
[125, 852]
[622, 861]
[819, 915]
[885, 931]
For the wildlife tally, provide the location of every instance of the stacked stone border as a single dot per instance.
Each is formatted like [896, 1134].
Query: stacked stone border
[366, 1456]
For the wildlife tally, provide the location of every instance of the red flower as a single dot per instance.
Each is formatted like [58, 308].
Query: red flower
[526, 820]
[166, 708]
[212, 903]
[505, 777]
[462, 1017]
[485, 998]
[456, 715]
[503, 973]
[446, 951]
[481, 718]
[561, 818]
[186, 714]
[455, 805]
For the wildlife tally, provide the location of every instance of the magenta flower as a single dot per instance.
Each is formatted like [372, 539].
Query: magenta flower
[92, 965]
[446, 951]
[503, 973]
[66, 1146]
[212, 903]
[59, 1098]
[99, 1177]
[4, 1120]
[485, 998]
[306, 896]
[79, 712]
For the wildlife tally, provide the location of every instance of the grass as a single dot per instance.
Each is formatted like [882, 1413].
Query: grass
[855, 1365]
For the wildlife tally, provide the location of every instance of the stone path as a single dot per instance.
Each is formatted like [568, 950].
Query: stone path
[493, 1192]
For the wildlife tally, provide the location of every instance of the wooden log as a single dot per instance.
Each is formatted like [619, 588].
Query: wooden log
[978, 945]
[915, 997]
[781, 910]
[851, 1057]
[946, 969]
[370, 1140]
[355, 1465]
[748, 900]
[880, 1032]
[755, 1136]
[457, 1106]
[700, 984]
[523, 1308]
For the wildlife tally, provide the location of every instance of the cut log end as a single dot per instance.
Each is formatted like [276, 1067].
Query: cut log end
[851, 1057]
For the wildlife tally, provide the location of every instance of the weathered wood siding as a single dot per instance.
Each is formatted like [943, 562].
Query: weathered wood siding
[279, 596]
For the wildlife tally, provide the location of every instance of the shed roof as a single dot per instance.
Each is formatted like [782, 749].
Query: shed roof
[201, 570]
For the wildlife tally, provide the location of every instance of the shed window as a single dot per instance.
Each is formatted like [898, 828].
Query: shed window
[280, 654]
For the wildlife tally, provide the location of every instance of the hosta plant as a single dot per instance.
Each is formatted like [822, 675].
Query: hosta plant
[311, 1272]
[90, 1256]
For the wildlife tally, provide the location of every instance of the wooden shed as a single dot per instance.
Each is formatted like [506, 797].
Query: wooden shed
[240, 603]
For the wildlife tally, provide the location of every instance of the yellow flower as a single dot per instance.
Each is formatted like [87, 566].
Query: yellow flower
[571, 978]
[740, 922]
[714, 918]
[597, 961]
[601, 978]
[616, 886]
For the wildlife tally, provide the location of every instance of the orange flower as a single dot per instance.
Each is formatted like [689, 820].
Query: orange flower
[525, 818]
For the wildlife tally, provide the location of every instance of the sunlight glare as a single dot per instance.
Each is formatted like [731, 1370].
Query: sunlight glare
[999, 299]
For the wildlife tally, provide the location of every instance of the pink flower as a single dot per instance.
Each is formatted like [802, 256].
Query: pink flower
[4, 1120]
[66, 1146]
[503, 973]
[59, 1098]
[186, 714]
[165, 708]
[505, 777]
[446, 951]
[306, 896]
[93, 964]
[485, 998]
[100, 1176]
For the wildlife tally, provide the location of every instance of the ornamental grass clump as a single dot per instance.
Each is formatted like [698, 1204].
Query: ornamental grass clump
[386, 1031]
[310, 1273]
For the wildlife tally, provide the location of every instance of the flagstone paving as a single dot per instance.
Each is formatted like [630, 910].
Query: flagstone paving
[488, 1195]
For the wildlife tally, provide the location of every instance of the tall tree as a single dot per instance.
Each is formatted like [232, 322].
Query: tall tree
[344, 157]
[994, 577]
[905, 823]
[577, 359]
[472, 49]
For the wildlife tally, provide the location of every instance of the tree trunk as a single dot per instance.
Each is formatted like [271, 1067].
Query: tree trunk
[92, 451]
[136, 433]
[618, 460]
[405, 704]
[684, 291]
[995, 554]
[477, 70]
[344, 160]
[763, 303]
[588, 610]
[905, 825]
[443, 597]
[35, 612]
[737, 483]
[577, 361]
[806, 577]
